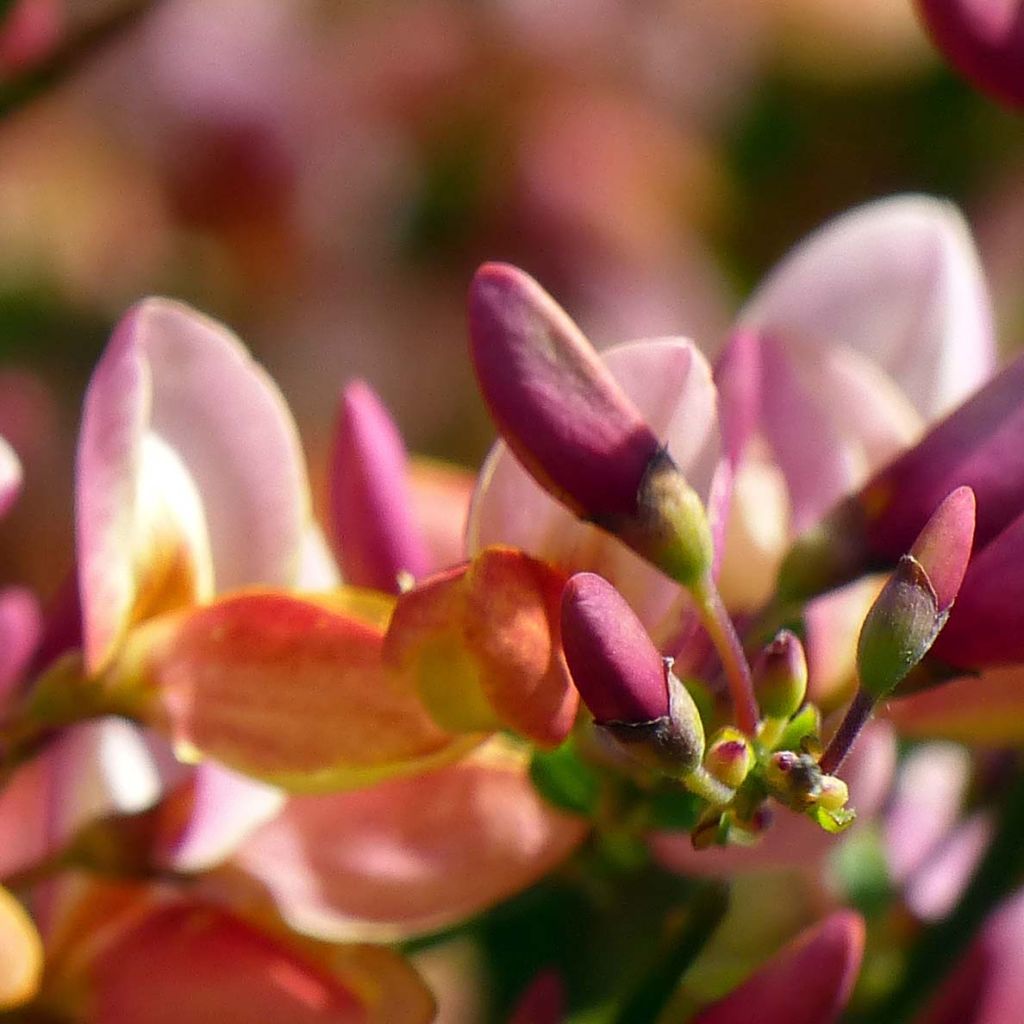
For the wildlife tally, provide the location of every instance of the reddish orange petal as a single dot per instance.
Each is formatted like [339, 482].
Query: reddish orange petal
[483, 641]
[285, 689]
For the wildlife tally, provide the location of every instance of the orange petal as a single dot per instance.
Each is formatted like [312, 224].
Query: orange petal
[21, 953]
[484, 643]
[410, 855]
[282, 688]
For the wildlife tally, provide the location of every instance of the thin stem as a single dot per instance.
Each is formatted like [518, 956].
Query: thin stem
[702, 784]
[857, 715]
[730, 651]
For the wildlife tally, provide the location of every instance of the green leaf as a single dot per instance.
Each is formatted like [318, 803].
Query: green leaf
[566, 781]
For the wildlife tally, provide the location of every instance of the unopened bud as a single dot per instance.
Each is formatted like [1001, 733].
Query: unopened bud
[834, 793]
[729, 757]
[780, 676]
[574, 429]
[628, 687]
[794, 779]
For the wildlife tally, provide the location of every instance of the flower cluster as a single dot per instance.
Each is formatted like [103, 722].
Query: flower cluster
[243, 754]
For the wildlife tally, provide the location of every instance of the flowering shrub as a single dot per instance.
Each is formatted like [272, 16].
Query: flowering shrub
[690, 596]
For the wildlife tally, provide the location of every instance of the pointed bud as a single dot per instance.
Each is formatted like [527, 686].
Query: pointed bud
[914, 604]
[573, 428]
[628, 687]
[372, 530]
[729, 756]
[780, 676]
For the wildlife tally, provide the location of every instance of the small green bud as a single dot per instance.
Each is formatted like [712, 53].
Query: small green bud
[780, 676]
[899, 629]
[834, 793]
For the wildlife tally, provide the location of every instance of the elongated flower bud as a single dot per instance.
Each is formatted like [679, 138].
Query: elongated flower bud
[729, 757]
[574, 429]
[780, 676]
[977, 445]
[914, 604]
[625, 683]
[371, 523]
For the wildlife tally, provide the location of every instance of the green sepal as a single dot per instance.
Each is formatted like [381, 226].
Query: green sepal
[833, 822]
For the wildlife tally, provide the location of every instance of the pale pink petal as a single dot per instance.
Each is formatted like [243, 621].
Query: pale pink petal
[925, 805]
[223, 809]
[10, 477]
[671, 385]
[410, 855]
[91, 770]
[440, 496]
[183, 437]
[21, 626]
[793, 841]
[896, 280]
[807, 982]
[317, 568]
[934, 889]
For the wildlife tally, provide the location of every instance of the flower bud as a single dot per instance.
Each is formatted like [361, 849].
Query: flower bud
[371, 523]
[914, 604]
[629, 689]
[729, 757]
[780, 676]
[794, 779]
[574, 429]
[834, 793]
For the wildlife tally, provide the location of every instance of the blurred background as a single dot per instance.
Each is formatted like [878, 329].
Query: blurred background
[324, 175]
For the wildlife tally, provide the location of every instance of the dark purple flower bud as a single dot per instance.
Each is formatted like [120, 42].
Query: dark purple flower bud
[628, 687]
[372, 530]
[983, 40]
[573, 428]
[979, 445]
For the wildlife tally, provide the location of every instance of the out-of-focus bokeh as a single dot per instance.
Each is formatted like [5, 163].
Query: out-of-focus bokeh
[324, 175]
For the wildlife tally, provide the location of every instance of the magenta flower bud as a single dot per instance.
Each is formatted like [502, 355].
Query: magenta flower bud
[979, 445]
[374, 536]
[625, 683]
[780, 676]
[729, 757]
[983, 40]
[573, 428]
[616, 668]
[914, 604]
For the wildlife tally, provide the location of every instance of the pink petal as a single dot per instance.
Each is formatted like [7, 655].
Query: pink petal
[671, 384]
[223, 808]
[807, 982]
[897, 281]
[441, 495]
[10, 477]
[176, 393]
[925, 805]
[91, 770]
[21, 626]
[543, 1002]
[943, 547]
[936, 886]
[983, 40]
[987, 986]
[410, 855]
[372, 526]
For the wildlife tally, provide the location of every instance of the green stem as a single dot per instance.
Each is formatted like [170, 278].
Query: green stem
[702, 784]
[943, 945]
[678, 951]
[719, 625]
